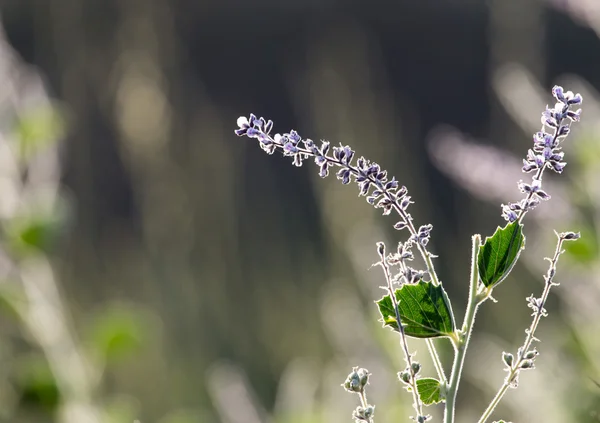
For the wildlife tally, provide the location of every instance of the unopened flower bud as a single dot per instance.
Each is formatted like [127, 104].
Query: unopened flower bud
[363, 414]
[527, 364]
[363, 375]
[531, 354]
[381, 249]
[404, 376]
[569, 236]
[416, 367]
[353, 381]
[508, 358]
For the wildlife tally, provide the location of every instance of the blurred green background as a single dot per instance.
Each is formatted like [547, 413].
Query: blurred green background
[155, 267]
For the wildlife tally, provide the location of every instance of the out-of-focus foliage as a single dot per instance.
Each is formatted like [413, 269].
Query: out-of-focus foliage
[196, 279]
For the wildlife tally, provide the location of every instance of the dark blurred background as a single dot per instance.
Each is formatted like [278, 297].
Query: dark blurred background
[157, 267]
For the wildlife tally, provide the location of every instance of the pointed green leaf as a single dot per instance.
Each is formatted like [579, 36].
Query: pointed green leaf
[424, 309]
[499, 253]
[429, 390]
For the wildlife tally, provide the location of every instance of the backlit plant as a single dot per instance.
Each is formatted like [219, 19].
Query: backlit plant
[416, 304]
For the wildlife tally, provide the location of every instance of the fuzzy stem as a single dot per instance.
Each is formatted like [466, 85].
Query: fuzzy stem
[418, 406]
[436, 361]
[538, 313]
[465, 334]
[363, 401]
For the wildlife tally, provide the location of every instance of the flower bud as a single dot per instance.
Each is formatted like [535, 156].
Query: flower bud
[352, 383]
[363, 375]
[568, 236]
[363, 414]
[404, 376]
[527, 364]
[531, 354]
[508, 358]
[356, 380]
[415, 367]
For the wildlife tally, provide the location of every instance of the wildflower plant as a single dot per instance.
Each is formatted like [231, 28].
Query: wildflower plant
[415, 303]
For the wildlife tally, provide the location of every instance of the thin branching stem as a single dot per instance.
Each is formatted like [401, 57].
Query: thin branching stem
[538, 313]
[465, 334]
[418, 406]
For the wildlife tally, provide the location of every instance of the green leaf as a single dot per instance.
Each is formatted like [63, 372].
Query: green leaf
[499, 253]
[429, 390]
[424, 309]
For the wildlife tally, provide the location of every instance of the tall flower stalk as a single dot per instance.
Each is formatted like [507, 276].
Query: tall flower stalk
[416, 305]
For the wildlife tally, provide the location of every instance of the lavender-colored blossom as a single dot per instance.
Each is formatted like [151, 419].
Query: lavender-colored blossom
[546, 152]
[372, 181]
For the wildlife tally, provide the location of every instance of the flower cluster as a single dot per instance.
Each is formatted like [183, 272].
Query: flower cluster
[356, 383]
[546, 152]
[406, 274]
[372, 181]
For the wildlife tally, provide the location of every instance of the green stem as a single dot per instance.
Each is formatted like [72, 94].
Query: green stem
[488, 412]
[437, 363]
[537, 316]
[465, 334]
[417, 404]
[434, 279]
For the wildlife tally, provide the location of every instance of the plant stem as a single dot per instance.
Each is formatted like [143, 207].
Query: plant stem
[538, 313]
[403, 342]
[436, 361]
[363, 402]
[434, 279]
[465, 335]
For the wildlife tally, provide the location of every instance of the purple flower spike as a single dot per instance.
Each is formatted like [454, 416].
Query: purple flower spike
[546, 152]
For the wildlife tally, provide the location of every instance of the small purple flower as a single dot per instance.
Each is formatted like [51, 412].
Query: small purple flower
[548, 118]
[575, 100]
[372, 181]
[243, 126]
[364, 188]
[575, 116]
[528, 167]
[348, 155]
[563, 131]
[405, 202]
[546, 152]
[344, 175]
[294, 137]
[252, 132]
[324, 170]
[540, 160]
[509, 214]
[290, 149]
[393, 184]
[557, 166]
[558, 93]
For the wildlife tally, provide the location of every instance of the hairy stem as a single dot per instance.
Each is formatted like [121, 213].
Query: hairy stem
[437, 363]
[465, 335]
[418, 406]
[539, 312]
